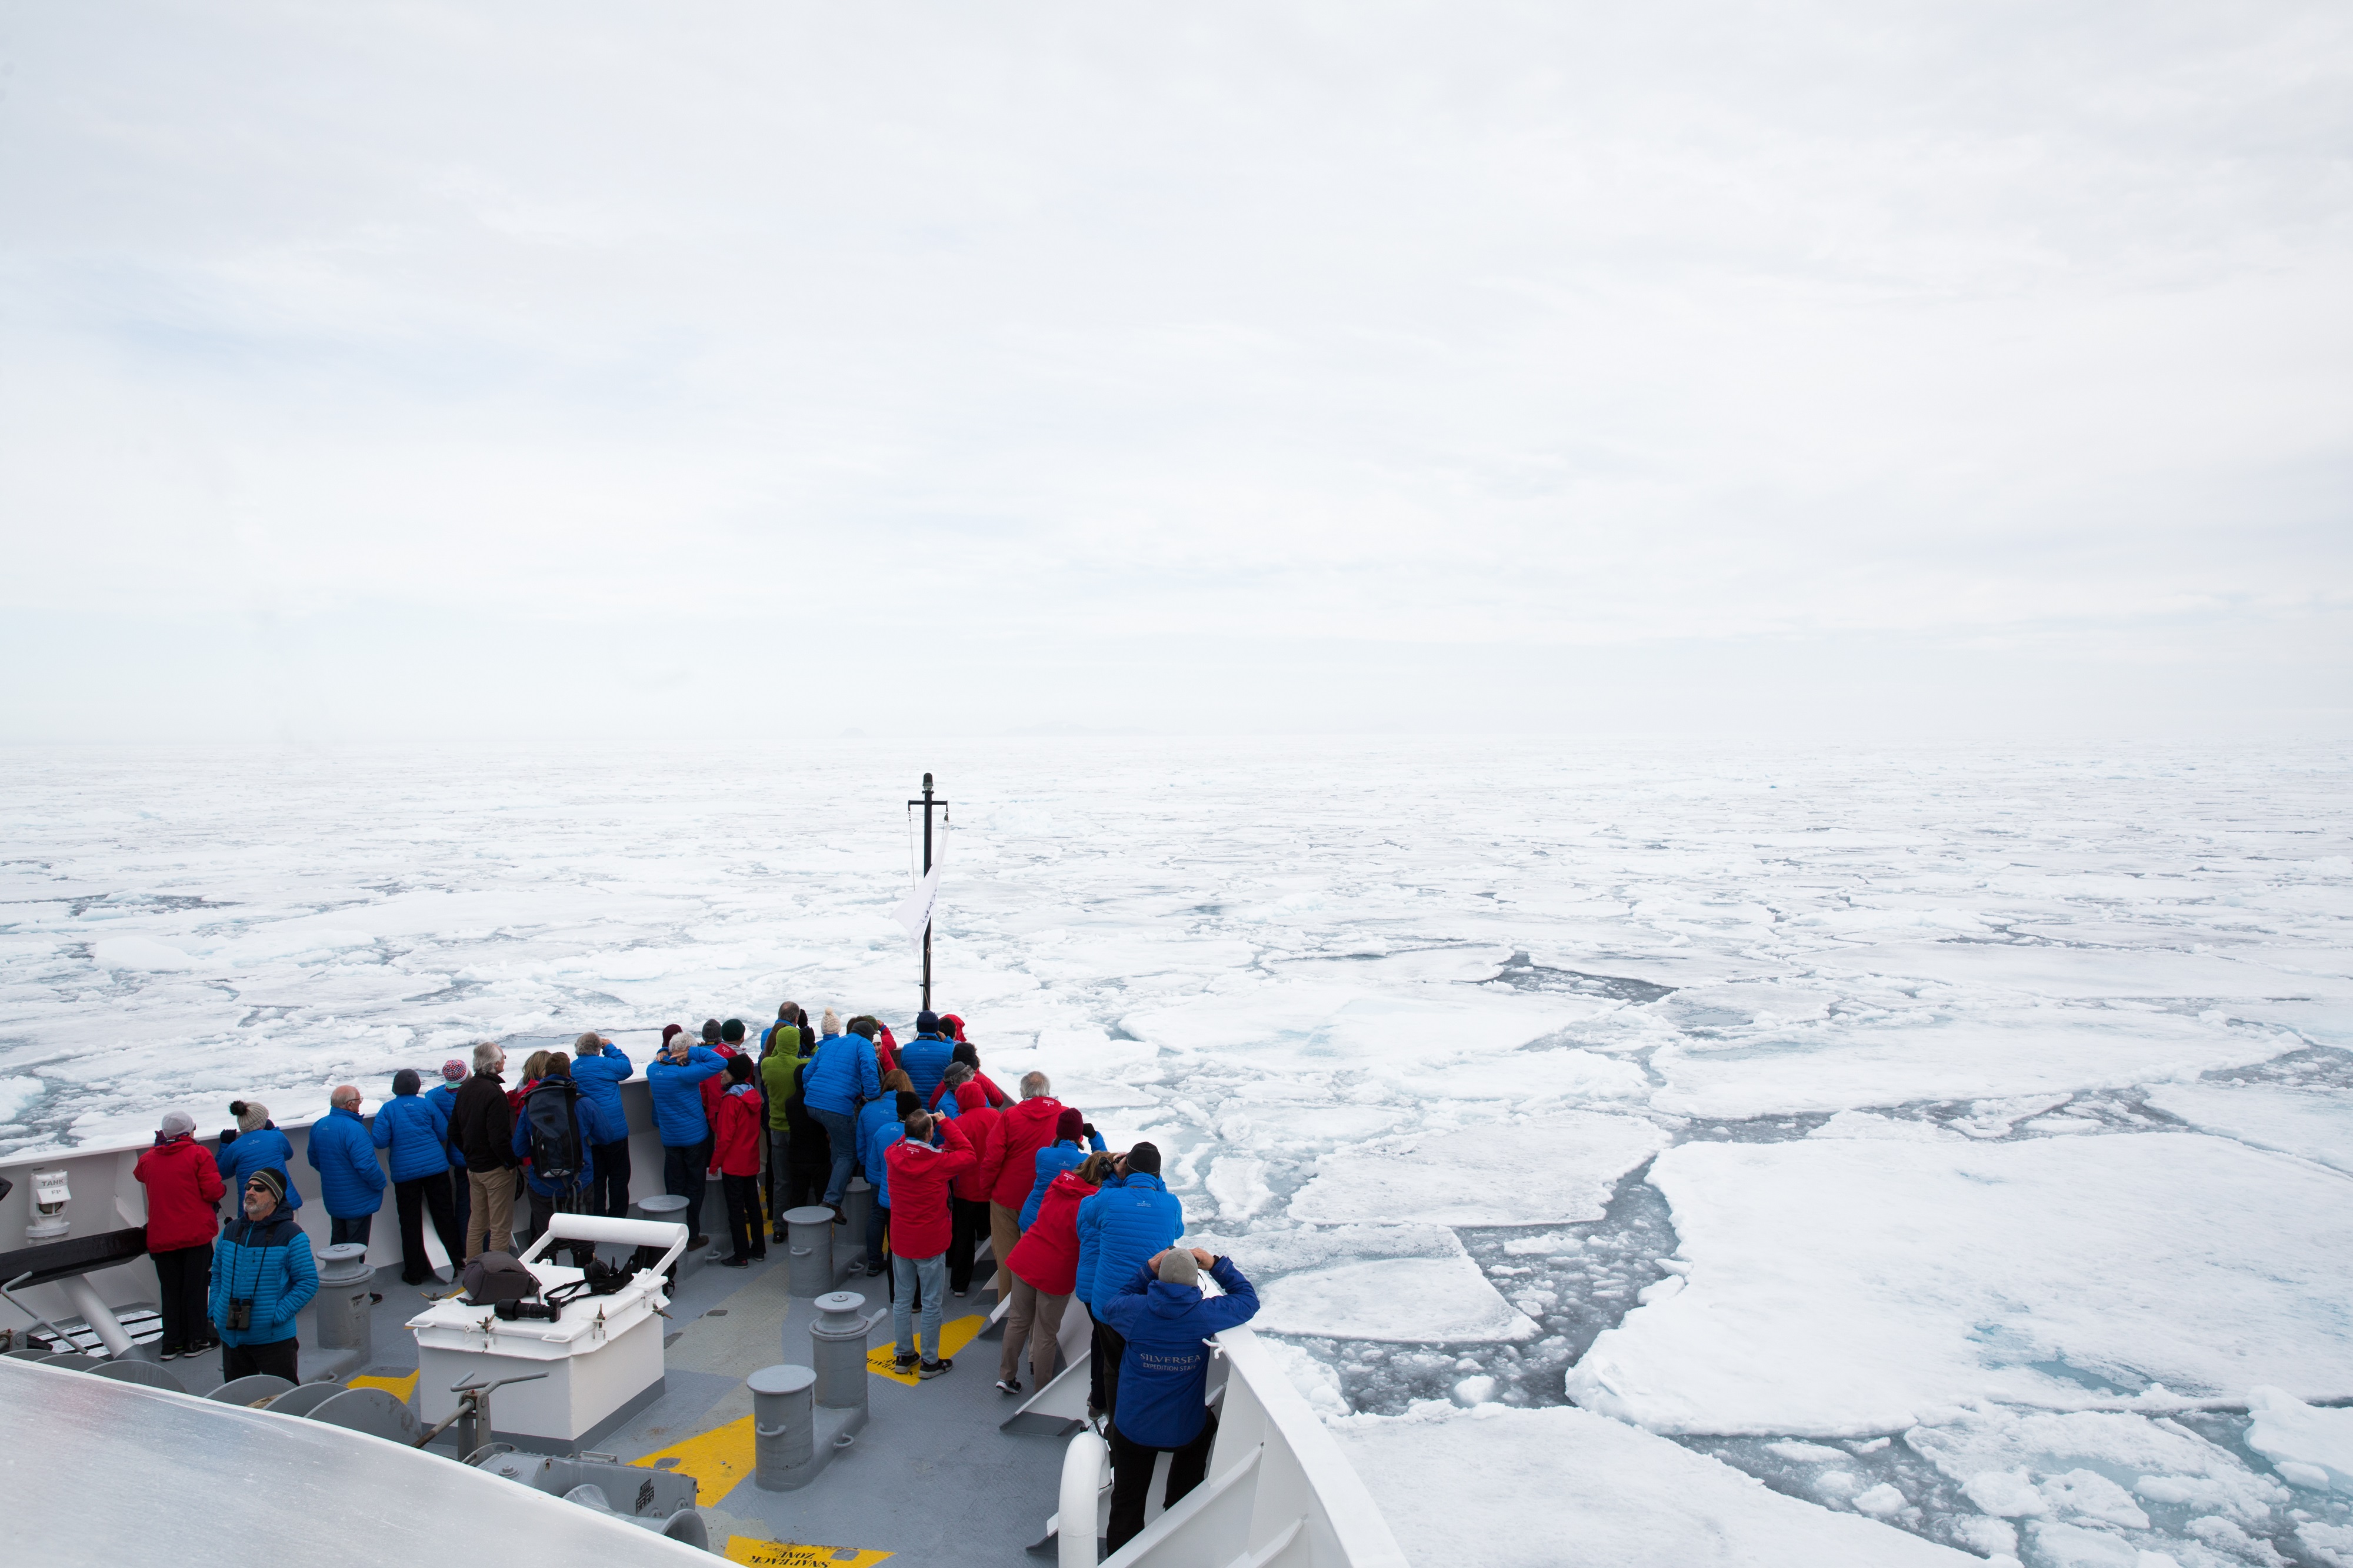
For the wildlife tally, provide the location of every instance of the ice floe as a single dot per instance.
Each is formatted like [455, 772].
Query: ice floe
[1849, 1285]
[1565, 1489]
[1542, 1171]
[2316, 1124]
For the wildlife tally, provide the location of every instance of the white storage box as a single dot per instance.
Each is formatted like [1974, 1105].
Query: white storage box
[603, 1357]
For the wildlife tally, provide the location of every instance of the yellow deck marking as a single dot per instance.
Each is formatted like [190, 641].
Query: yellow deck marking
[401, 1388]
[717, 1460]
[882, 1361]
[794, 1554]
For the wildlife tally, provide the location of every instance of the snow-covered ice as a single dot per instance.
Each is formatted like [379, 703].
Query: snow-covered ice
[1913, 1036]
[2316, 1124]
[2319, 1442]
[1559, 1488]
[1537, 1172]
[1851, 1285]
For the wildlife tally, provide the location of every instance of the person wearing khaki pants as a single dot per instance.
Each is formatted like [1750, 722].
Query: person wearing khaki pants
[490, 1225]
[482, 1124]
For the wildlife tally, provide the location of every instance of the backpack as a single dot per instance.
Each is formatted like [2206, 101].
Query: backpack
[497, 1277]
[555, 1137]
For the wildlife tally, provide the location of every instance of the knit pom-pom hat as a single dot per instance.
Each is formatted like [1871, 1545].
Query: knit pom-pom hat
[830, 1027]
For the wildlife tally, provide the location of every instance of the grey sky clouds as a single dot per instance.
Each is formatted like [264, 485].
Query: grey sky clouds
[434, 369]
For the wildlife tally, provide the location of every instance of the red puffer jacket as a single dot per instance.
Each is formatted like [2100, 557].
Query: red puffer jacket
[920, 1175]
[1013, 1163]
[738, 1131]
[978, 1119]
[183, 1184]
[1047, 1256]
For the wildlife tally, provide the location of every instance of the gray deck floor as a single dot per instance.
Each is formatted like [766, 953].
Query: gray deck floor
[931, 1479]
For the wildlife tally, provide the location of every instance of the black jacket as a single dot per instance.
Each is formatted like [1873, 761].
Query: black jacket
[812, 1149]
[482, 1123]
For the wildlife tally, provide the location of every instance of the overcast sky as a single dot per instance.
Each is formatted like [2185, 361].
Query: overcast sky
[406, 370]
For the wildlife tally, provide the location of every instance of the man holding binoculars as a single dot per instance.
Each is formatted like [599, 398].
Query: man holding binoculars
[262, 1275]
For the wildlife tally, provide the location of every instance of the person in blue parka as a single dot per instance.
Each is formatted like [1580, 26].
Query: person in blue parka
[1064, 1153]
[415, 1129]
[926, 1056]
[599, 1069]
[549, 1195]
[262, 1275]
[253, 1144]
[351, 1183]
[1128, 1223]
[1164, 1377]
[675, 1077]
[840, 1078]
[879, 1127]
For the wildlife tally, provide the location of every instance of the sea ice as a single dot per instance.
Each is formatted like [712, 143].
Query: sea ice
[1560, 1488]
[2033, 1463]
[1818, 1301]
[2316, 1124]
[1399, 1283]
[1538, 1172]
[2288, 1430]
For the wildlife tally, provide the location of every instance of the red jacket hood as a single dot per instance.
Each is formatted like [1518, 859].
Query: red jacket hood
[920, 1175]
[1047, 1253]
[979, 1124]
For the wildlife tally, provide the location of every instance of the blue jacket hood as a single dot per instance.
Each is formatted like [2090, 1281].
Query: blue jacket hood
[677, 1095]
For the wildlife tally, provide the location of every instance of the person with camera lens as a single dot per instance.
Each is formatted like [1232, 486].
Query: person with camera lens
[262, 1275]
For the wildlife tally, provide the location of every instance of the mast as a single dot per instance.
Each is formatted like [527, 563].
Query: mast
[927, 803]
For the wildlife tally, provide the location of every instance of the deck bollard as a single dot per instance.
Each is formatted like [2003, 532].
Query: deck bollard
[671, 1210]
[858, 1208]
[837, 1349]
[811, 1233]
[344, 1318]
[784, 1428]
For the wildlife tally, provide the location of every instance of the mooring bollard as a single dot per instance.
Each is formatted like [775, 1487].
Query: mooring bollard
[784, 1428]
[811, 1233]
[837, 1349]
[344, 1318]
[858, 1208]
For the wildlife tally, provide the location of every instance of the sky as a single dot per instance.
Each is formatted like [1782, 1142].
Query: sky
[670, 374]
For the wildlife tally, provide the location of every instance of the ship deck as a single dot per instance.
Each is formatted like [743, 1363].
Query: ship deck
[930, 1480]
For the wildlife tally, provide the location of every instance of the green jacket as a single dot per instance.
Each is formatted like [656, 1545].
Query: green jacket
[777, 1072]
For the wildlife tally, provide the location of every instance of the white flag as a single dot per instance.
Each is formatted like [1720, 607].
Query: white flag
[914, 911]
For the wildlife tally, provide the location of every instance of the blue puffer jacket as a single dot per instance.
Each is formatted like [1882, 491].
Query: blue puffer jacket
[878, 1128]
[344, 1159]
[441, 1098]
[1085, 1288]
[414, 1128]
[1052, 1160]
[677, 1095]
[579, 1129]
[263, 1149]
[266, 1262]
[343, 1154]
[842, 1075]
[926, 1059]
[599, 1079]
[1163, 1373]
[1129, 1224]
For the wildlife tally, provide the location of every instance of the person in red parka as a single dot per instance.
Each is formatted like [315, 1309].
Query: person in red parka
[920, 1229]
[1012, 1165]
[183, 1186]
[969, 1193]
[738, 1129]
[1044, 1270]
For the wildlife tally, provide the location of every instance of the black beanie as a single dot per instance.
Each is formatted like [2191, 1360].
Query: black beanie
[738, 1068]
[732, 1031]
[270, 1180]
[966, 1052]
[1145, 1158]
[927, 1022]
[406, 1081]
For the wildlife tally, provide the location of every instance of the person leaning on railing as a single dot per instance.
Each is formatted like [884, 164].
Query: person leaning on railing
[1164, 1376]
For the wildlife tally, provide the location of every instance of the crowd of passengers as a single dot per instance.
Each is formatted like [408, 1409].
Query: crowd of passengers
[952, 1157]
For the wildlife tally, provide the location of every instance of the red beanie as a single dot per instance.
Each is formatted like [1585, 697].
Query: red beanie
[1070, 1127]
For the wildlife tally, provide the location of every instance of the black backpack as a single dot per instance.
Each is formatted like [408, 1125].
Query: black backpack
[554, 1138]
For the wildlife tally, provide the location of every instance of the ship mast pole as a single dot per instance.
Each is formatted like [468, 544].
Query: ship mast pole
[926, 803]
